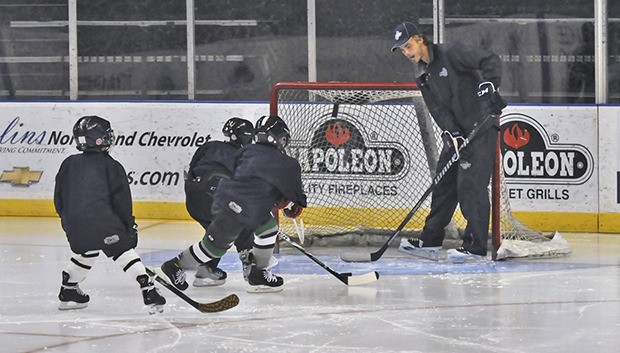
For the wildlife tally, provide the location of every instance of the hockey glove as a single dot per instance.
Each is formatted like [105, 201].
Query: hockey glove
[492, 102]
[293, 211]
[454, 141]
[284, 203]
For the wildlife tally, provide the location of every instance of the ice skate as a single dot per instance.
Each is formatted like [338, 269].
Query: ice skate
[263, 281]
[71, 296]
[174, 273]
[416, 247]
[208, 277]
[462, 255]
[151, 295]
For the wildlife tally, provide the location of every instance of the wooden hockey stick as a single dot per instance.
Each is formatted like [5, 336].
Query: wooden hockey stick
[347, 278]
[226, 303]
[365, 257]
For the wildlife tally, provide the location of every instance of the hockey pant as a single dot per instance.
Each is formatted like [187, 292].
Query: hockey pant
[199, 197]
[466, 184]
[222, 233]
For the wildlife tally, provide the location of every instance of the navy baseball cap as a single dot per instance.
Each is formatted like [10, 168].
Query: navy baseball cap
[403, 32]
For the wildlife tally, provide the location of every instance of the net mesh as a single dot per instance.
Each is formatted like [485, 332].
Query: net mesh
[367, 156]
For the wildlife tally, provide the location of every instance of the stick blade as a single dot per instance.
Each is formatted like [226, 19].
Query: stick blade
[355, 280]
[223, 304]
[356, 257]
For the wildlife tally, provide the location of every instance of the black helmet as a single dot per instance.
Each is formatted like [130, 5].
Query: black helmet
[272, 130]
[240, 131]
[93, 133]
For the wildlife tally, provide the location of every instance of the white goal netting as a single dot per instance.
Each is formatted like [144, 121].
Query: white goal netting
[368, 152]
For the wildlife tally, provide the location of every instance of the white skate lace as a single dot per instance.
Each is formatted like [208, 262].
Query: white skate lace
[179, 277]
[270, 277]
[79, 290]
[76, 288]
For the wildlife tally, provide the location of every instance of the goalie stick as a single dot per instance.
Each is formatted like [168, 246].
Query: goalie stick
[347, 278]
[357, 257]
[226, 303]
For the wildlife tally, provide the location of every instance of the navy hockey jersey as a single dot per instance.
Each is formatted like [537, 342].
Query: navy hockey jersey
[263, 176]
[93, 199]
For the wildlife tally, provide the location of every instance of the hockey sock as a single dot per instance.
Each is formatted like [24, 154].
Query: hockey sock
[198, 254]
[79, 265]
[264, 243]
[130, 262]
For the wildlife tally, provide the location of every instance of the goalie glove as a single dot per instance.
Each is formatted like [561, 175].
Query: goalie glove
[293, 211]
[492, 102]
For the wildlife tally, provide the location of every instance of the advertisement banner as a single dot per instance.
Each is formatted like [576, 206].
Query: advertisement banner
[154, 142]
[549, 157]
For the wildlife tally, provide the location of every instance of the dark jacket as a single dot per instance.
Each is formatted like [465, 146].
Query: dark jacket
[93, 200]
[263, 176]
[449, 83]
[213, 157]
[211, 162]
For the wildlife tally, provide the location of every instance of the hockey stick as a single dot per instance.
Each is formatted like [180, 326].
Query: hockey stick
[226, 303]
[299, 228]
[347, 278]
[356, 257]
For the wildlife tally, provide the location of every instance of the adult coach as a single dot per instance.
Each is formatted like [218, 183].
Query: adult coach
[459, 86]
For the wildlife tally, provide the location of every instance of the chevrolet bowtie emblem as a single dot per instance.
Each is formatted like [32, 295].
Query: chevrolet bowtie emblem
[21, 176]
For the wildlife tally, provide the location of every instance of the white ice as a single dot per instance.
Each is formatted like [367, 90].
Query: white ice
[570, 304]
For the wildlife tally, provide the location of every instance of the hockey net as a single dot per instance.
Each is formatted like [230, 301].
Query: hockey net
[368, 152]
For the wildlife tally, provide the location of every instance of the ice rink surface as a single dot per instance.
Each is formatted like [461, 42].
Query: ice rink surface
[570, 304]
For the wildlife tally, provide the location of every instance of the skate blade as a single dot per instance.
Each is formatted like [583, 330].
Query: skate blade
[424, 254]
[207, 282]
[155, 309]
[466, 259]
[262, 289]
[71, 306]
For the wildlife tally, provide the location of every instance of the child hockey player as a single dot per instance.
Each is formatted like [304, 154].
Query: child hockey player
[93, 200]
[212, 161]
[264, 176]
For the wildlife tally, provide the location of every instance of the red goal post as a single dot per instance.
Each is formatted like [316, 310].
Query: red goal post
[368, 151]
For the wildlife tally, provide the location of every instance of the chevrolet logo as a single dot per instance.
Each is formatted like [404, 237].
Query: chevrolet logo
[21, 176]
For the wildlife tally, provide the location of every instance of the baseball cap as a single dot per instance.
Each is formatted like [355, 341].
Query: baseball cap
[403, 32]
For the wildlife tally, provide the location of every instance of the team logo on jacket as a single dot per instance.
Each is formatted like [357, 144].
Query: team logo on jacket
[343, 148]
[443, 72]
[532, 156]
[112, 239]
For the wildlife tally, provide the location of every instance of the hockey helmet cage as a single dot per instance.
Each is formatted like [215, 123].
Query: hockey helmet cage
[272, 130]
[93, 133]
[239, 131]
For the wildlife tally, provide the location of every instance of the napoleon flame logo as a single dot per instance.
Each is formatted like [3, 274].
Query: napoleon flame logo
[516, 137]
[530, 155]
[337, 135]
[338, 147]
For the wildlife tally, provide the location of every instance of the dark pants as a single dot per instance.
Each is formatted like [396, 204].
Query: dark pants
[226, 230]
[199, 202]
[466, 183]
